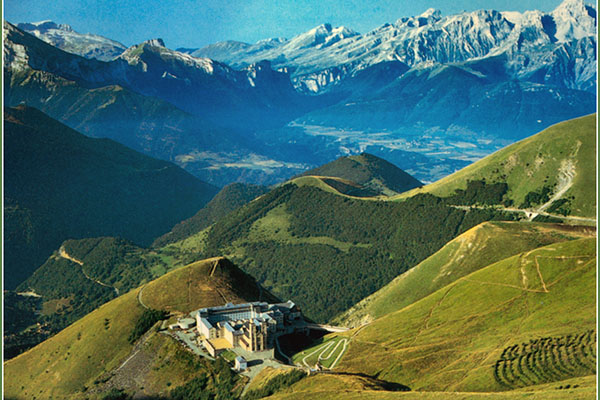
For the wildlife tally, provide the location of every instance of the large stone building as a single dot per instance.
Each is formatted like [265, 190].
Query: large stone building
[251, 326]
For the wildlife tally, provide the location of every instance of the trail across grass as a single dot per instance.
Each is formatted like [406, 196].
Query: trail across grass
[327, 354]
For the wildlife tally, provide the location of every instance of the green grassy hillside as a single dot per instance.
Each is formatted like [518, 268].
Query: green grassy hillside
[474, 249]
[350, 387]
[370, 172]
[76, 362]
[311, 239]
[563, 154]
[526, 320]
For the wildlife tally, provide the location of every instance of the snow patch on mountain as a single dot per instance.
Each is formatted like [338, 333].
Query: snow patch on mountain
[574, 20]
[325, 55]
[65, 38]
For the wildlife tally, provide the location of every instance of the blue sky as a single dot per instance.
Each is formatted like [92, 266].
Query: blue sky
[194, 23]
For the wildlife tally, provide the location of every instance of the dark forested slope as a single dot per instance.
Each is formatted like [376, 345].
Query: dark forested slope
[60, 184]
[230, 198]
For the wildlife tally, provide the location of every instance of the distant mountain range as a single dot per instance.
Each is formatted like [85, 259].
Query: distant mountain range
[430, 93]
[537, 46]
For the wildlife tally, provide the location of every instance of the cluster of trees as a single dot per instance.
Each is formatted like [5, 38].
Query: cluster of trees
[537, 197]
[71, 291]
[145, 321]
[215, 381]
[19, 311]
[547, 359]
[481, 193]
[561, 206]
[61, 282]
[228, 199]
[350, 190]
[237, 224]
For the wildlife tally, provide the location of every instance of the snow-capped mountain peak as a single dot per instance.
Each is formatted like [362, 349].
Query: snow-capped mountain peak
[65, 38]
[158, 42]
[574, 20]
[431, 13]
[321, 36]
[44, 26]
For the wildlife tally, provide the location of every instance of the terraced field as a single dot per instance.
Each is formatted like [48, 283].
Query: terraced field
[547, 359]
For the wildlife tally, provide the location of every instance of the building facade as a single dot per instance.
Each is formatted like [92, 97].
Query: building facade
[250, 326]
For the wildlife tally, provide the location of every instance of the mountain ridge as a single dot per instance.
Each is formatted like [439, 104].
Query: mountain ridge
[488, 33]
[64, 37]
[74, 174]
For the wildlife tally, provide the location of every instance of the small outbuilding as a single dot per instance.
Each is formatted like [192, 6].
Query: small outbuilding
[186, 323]
[240, 363]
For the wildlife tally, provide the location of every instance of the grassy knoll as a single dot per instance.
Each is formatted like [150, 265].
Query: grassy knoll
[76, 360]
[452, 339]
[535, 162]
[372, 173]
[474, 249]
[209, 282]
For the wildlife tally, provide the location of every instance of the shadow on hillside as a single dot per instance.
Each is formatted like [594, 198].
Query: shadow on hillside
[385, 385]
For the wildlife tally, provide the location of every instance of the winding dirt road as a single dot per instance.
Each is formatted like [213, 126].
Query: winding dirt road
[63, 253]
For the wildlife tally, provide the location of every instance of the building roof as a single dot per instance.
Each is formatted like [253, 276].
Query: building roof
[206, 323]
[231, 307]
[220, 343]
[240, 359]
[228, 327]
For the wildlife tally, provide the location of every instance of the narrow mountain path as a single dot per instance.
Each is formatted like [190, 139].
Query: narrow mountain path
[139, 298]
[537, 267]
[332, 348]
[63, 253]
